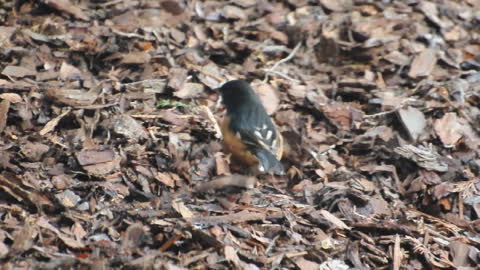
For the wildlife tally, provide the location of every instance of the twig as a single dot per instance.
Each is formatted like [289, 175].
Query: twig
[110, 3]
[244, 216]
[205, 72]
[131, 35]
[398, 107]
[397, 253]
[154, 116]
[211, 118]
[296, 254]
[154, 138]
[270, 246]
[315, 155]
[170, 242]
[279, 74]
[288, 58]
[284, 60]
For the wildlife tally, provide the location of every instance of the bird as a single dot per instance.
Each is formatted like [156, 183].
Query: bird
[249, 134]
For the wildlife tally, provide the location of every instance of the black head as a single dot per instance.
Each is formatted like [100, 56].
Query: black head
[237, 93]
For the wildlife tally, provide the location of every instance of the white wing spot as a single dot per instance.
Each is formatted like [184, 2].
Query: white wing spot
[258, 134]
[261, 168]
[238, 135]
[269, 135]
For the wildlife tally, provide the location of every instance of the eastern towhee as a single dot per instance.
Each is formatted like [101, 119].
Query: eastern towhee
[248, 132]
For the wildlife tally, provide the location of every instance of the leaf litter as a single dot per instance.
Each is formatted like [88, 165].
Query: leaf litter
[110, 152]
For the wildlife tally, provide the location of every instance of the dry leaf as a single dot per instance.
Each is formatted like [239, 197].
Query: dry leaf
[448, 129]
[34, 151]
[12, 97]
[4, 107]
[68, 198]
[190, 90]
[69, 72]
[268, 96]
[127, 126]
[67, 7]
[67, 240]
[183, 210]
[50, 126]
[165, 179]
[334, 220]
[423, 64]
[72, 97]
[303, 264]
[88, 157]
[18, 72]
[413, 120]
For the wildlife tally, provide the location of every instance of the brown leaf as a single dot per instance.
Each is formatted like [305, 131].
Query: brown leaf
[127, 126]
[72, 97]
[99, 162]
[174, 7]
[448, 129]
[426, 158]
[337, 5]
[274, 33]
[4, 107]
[6, 33]
[34, 151]
[50, 126]
[18, 72]
[4, 250]
[397, 58]
[12, 184]
[231, 255]
[61, 181]
[269, 97]
[413, 120]
[423, 64]
[67, 240]
[117, 188]
[24, 238]
[69, 72]
[190, 90]
[233, 12]
[78, 231]
[459, 252]
[88, 157]
[156, 86]
[182, 209]
[334, 220]
[68, 198]
[431, 12]
[303, 264]
[342, 115]
[12, 97]
[136, 58]
[67, 7]
[165, 179]
[177, 77]
[103, 168]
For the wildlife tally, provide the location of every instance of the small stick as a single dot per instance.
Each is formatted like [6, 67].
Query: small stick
[284, 60]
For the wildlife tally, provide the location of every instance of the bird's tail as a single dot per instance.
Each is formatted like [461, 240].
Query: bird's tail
[268, 163]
